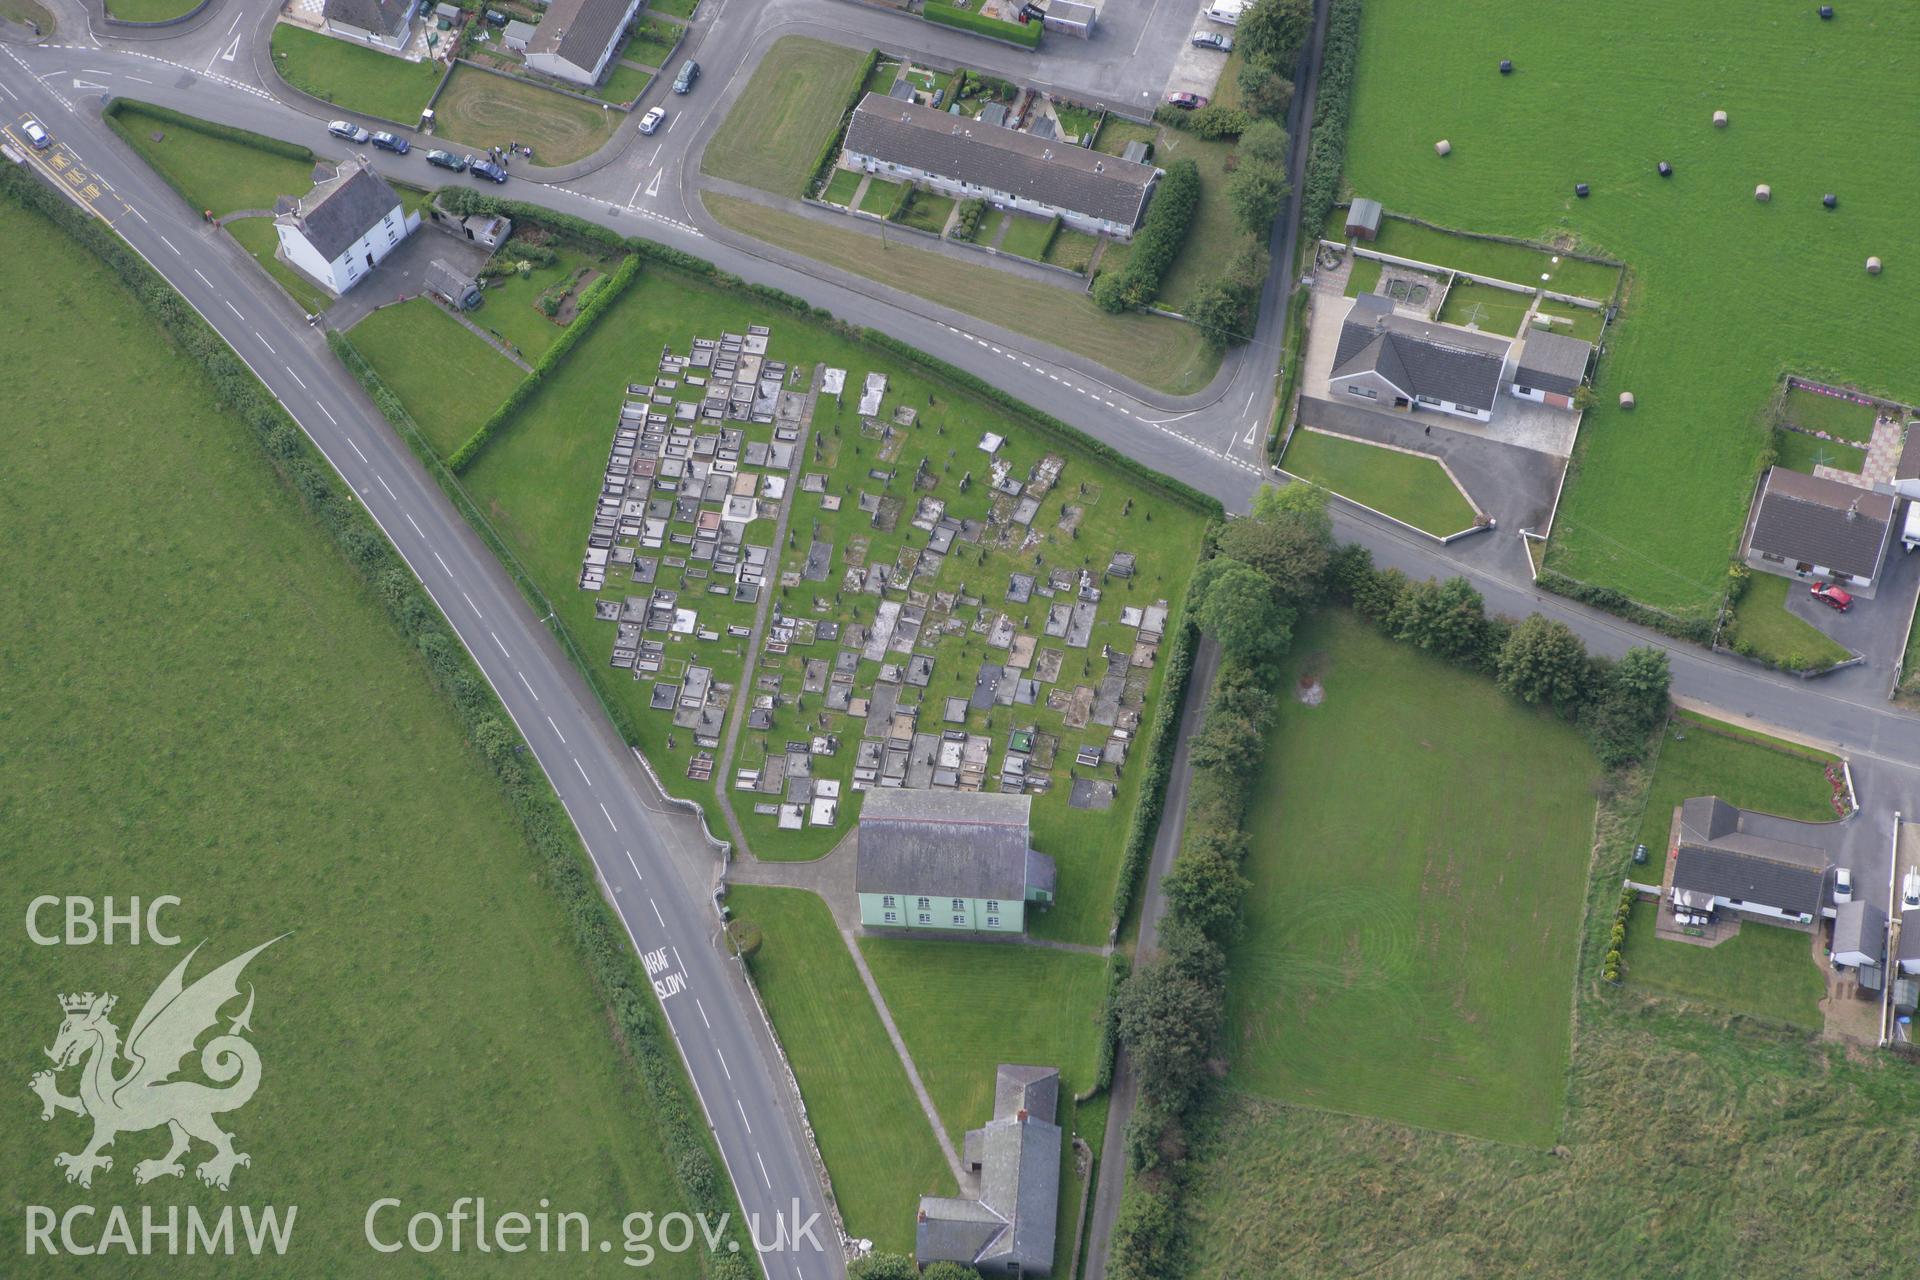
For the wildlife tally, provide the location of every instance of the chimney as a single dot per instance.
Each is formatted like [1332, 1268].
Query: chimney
[1853, 509]
[1022, 1116]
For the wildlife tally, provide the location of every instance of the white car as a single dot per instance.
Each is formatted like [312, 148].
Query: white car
[650, 122]
[349, 130]
[36, 135]
[1842, 885]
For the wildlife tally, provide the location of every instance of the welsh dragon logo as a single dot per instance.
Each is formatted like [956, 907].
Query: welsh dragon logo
[145, 1095]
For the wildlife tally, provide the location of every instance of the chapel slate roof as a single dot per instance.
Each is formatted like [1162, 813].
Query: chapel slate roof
[1822, 521]
[1741, 856]
[579, 31]
[1420, 357]
[1005, 160]
[383, 16]
[345, 207]
[1552, 362]
[947, 844]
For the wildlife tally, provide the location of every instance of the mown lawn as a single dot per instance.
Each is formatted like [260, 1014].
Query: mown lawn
[1418, 873]
[881, 196]
[449, 379]
[258, 237]
[1657, 496]
[773, 134]
[1843, 418]
[623, 84]
[240, 726]
[479, 109]
[1494, 310]
[1797, 451]
[1212, 237]
[879, 1150]
[508, 308]
[652, 42]
[147, 10]
[221, 174]
[1072, 249]
[1515, 263]
[1762, 972]
[1028, 237]
[1159, 352]
[1761, 620]
[841, 186]
[354, 76]
[1707, 758]
[929, 211]
[1416, 490]
[1364, 278]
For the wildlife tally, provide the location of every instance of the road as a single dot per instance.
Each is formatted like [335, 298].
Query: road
[657, 883]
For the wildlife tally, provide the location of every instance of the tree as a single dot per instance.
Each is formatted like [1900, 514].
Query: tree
[1248, 267]
[1147, 1234]
[1235, 604]
[1264, 143]
[1544, 663]
[1255, 193]
[1631, 700]
[1166, 1019]
[1220, 311]
[1205, 887]
[1264, 92]
[883, 1266]
[1226, 741]
[1444, 618]
[948, 1271]
[1272, 32]
[1288, 536]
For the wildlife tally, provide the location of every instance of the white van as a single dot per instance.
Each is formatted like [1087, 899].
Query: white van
[1226, 12]
[1910, 531]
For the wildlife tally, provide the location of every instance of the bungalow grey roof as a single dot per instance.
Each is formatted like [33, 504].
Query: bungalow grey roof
[1011, 1224]
[345, 207]
[369, 15]
[1364, 213]
[1860, 926]
[1822, 521]
[1552, 362]
[1420, 357]
[1909, 938]
[1748, 857]
[1004, 160]
[947, 844]
[579, 31]
[1908, 468]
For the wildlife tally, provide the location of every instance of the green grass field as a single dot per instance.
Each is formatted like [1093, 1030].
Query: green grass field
[881, 196]
[26, 11]
[1416, 490]
[508, 310]
[773, 134]
[879, 1151]
[1797, 451]
[449, 379]
[479, 109]
[148, 10]
[1159, 352]
[929, 211]
[1072, 249]
[241, 726]
[258, 237]
[1814, 412]
[1657, 497]
[1762, 972]
[1027, 237]
[1702, 758]
[1494, 310]
[1761, 621]
[221, 174]
[1212, 237]
[1419, 867]
[652, 42]
[354, 76]
[1364, 278]
[623, 84]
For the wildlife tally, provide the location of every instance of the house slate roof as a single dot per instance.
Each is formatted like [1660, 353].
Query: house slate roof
[1908, 467]
[947, 844]
[345, 207]
[1420, 357]
[1552, 362]
[1822, 521]
[579, 31]
[1731, 853]
[1364, 213]
[518, 30]
[1909, 948]
[384, 16]
[1860, 926]
[1012, 1222]
[1004, 160]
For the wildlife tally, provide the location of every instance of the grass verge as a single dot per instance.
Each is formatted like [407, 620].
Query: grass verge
[773, 134]
[480, 109]
[259, 238]
[213, 167]
[1414, 489]
[447, 377]
[1761, 627]
[353, 76]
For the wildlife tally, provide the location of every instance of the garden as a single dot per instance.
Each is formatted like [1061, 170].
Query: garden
[480, 109]
[448, 378]
[772, 137]
[353, 76]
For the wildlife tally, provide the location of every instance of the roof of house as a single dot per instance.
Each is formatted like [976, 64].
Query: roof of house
[1012, 1221]
[1908, 467]
[1005, 160]
[580, 31]
[1748, 857]
[1822, 521]
[1860, 927]
[947, 844]
[1420, 357]
[1909, 938]
[343, 208]
[369, 15]
[1364, 213]
[1552, 362]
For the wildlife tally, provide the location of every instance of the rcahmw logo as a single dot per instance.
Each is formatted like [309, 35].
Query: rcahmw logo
[133, 1086]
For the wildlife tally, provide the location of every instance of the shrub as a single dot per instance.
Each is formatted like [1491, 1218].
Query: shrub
[1210, 122]
[945, 14]
[1156, 244]
[966, 223]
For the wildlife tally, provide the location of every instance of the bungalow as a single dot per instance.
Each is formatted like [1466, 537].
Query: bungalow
[1808, 526]
[344, 226]
[576, 39]
[1095, 193]
[1753, 863]
[952, 861]
[1412, 362]
[384, 24]
[1549, 368]
[1008, 1229]
[1859, 935]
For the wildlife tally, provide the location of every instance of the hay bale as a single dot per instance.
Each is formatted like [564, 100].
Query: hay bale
[1763, 193]
[1626, 400]
[1581, 189]
[1719, 119]
[1830, 200]
[1506, 66]
[1442, 147]
[1666, 170]
[1873, 266]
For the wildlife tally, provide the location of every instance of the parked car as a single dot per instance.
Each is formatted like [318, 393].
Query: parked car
[1212, 40]
[37, 135]
[486, 169]
[1831, 596]
[1842, 885]
[650, 122]
[447, 160]
[1186, 101]
[689, 72]
[349, 130]
[495, 18]
[392, 142]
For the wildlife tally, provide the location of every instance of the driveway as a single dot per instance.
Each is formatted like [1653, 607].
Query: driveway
[402, 273]
[1875, 629]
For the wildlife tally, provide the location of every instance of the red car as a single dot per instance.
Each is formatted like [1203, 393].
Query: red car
[1828, 594]
[1186, 101]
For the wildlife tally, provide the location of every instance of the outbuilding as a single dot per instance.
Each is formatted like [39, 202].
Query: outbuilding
[446, 283]
[516, 35]
[1550, 368]
[1070, 18]
[1859, 935]
[1363, 220]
